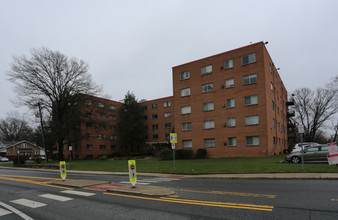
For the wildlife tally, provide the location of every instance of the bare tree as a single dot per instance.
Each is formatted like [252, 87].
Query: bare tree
[314, 108]
[53, 80]
[15, 128]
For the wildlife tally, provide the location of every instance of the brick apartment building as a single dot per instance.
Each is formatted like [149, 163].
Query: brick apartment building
[233, 104]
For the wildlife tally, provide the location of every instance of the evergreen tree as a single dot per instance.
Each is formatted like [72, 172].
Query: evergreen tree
[131, 125]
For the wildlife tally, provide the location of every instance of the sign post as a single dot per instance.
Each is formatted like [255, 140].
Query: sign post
[63, 170]
[132, 172]
[173, 141]
[301, 132]
[70, 155]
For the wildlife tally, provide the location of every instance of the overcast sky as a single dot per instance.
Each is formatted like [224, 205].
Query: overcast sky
[132, 45]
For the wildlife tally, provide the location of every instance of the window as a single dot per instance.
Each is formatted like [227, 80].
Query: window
[273, 123]
[207, 87]
[251, 120]
[209, 106]
[144, 108]
[230, 103]
[24, 145]
[102, 136]
[252, 140]
[101, 105]
[102, 147]
[185, 92]
[271, 86]
[112, 107]
[112, 147]
[186, 126]
[232, 141]
[167, 114]
[187, 143]
[113, 137]
[88, 102]
[209, 142]
[229, 64]
[146, 128]
[206, 69]
[249, 79]
[102, 126]
[154, 106]
[167, 136]
[273, 105]
[89, 136]
[155, 127]
[89, 124]
[185, 110]
[102, 115]
[154, 116]
[167, 125]
[229, 83]
[208, 124]
[155, 136]
[251, 58]
[184, 75]
[89, 114]
[250, 100]
[113, 127]
[89, 147]
[166, 104]
[231, 122]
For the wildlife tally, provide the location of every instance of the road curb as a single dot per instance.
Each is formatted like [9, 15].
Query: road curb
[317, 176]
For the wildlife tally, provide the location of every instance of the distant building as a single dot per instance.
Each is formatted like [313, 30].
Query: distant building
[233, 104]
[22, 148]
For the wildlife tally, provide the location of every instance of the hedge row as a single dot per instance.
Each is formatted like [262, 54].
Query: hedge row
[167, 154]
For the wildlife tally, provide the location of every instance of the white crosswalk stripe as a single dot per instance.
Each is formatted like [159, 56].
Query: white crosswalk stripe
[4, 212]
[78, 193]
[28, 203]
[138, 182]
[151, 180]
[56, 197]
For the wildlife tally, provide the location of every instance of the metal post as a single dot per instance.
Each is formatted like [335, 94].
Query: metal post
[174, 158]
[301, 141]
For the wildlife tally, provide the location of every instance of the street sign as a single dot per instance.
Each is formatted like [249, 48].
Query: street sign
[300, 129]
[70, 148]
[132, 172]
[63, 170]
[173, 146]
[333, 153]
[173, 138]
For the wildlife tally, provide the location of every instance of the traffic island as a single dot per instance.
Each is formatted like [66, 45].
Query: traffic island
[154, 191]
[77, 183]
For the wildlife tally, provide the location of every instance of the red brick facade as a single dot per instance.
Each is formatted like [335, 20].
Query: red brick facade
[233, 104]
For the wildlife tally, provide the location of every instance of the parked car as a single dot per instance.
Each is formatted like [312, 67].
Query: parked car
[41, 157]
[312, 153]
[298, 147]
[4, 159]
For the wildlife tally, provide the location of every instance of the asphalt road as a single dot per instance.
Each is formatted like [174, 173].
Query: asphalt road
[25, 195]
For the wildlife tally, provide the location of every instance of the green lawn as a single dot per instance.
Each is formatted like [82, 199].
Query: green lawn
[204, 166]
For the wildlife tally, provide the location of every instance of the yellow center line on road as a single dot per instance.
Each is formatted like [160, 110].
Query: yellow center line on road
[33, 182]
[230, 193]
[204, 203]
[31, 177]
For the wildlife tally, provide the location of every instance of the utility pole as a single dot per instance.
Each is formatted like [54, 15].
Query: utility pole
[43, 133]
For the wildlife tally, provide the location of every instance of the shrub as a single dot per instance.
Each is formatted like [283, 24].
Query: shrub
[184, 154]
[102, 157]
[20, 161]
[166, 154]
[201, 153]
